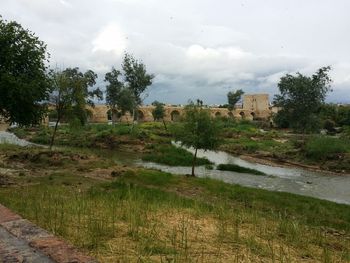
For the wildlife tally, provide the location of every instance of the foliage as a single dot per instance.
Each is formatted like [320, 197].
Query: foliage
[23, 81]
[238, 169]
[322, 147]
[198, 130]
[172, 155]
[233, 98]
[70, 94]
[136, 77]
[158, 112]
[126, 101]
[301, 98]
[329, 125]
[113, 90]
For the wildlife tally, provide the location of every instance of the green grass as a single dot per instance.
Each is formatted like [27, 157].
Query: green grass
[136, 213]
[322, 147]
[171, 155]
[147, 215]
[238, 169]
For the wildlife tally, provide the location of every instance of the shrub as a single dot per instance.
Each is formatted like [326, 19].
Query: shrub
[321, 148]
[174, 156]
[329, 125]
[238, 169]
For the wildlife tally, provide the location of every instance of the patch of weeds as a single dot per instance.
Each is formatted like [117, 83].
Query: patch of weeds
[174, 156]
[238, 169]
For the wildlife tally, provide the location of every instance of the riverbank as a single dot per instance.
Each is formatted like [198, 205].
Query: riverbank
[275, 147]
[120, 213]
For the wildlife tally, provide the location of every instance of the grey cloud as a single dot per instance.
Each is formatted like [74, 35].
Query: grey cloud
[196, 48]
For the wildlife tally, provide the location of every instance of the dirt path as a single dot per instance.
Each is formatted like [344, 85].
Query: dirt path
[22, 241]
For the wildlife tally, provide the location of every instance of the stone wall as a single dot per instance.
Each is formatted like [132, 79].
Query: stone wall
[254, 106]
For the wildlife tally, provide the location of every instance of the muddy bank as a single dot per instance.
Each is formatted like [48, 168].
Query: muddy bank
[261, 159]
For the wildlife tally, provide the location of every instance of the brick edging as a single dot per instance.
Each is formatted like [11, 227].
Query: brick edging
[54, 247]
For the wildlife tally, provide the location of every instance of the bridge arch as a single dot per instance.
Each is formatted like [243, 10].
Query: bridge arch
[253, 115]
[217, 114]
[242, 114]
[139, 116]
[175, 115]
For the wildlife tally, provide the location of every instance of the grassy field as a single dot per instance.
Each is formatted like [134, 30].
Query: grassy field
[127, 214]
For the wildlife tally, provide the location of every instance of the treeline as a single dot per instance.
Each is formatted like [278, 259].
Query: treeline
[28, 87]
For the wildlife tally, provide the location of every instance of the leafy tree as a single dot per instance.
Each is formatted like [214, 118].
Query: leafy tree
[136, 78]
[198, 130]
[126, 101]
[113, 90]
[23, 80]
[301, 98]
[159, 112]
[233, 98]
[70, 95]
[344, 115]
[80, 85]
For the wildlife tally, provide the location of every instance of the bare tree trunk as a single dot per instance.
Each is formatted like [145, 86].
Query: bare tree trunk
[133, 121]
[54, 133]
[194, 162]
[165, 125]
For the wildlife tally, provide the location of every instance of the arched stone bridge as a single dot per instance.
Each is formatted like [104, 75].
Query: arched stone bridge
[101, 114]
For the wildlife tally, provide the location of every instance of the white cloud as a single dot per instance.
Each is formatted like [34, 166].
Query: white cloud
[110, 39]
[190, 48]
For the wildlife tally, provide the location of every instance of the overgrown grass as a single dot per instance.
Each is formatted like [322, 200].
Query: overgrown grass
[322, 147]
[171, 155]
[141, 217]
[238, 169]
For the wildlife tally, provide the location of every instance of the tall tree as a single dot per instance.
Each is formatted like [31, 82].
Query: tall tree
[70, 95]
[301, 97]
[113, 90]
[126, 101]
[136, 78]
[83, 94]
[233, 97]
[23, 80]
[198, 130]
[60, 99]
[159, 112]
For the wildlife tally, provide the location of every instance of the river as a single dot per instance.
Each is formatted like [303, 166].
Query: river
[316, 184]
[334, 188]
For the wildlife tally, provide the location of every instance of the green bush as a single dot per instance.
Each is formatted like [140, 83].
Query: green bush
[238, 169]
[171, 155]
[321, 147]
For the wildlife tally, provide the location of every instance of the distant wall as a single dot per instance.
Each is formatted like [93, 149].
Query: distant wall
[254, 106]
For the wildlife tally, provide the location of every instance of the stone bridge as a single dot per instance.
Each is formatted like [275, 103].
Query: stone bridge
[255, 106]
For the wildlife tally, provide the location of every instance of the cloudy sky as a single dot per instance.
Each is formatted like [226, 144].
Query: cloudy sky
[196, 48]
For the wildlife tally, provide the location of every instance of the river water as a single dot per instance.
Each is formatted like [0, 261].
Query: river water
[334, 188]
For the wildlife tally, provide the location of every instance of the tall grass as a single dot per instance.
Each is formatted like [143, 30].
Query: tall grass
[238, 169]
[140, 217]
[171, 155]
[322, 147]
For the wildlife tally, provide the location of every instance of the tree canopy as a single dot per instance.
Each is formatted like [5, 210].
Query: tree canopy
[113, 90]
[158, 112]
[136, 77]
[198, 130]
[300, 99]
[233, 97]
[23, 81]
